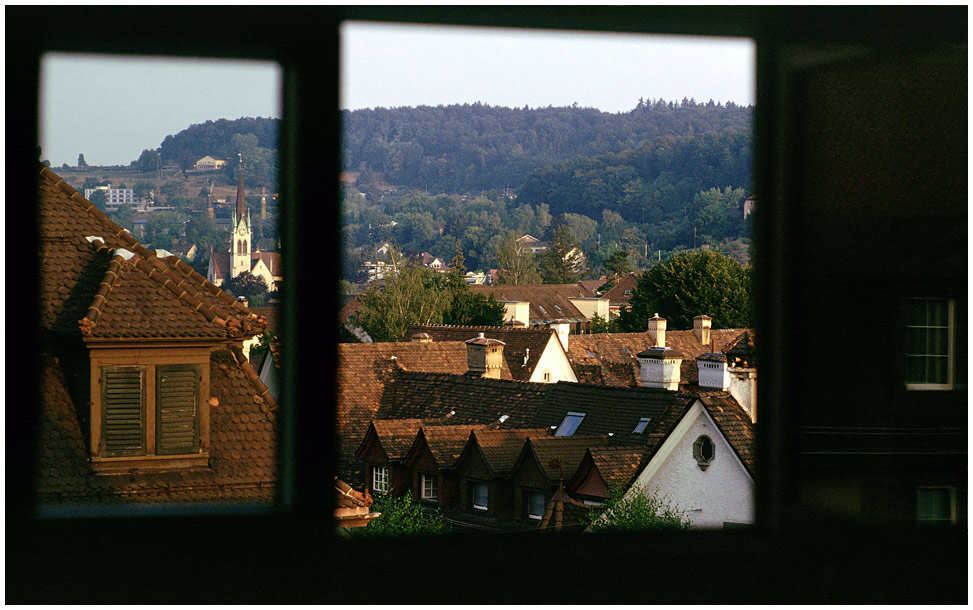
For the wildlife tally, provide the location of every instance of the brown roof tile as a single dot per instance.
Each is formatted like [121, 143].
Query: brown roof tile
[616, 295]
[500, 448]
[560, 456]
[548, 302]
[445, 443]
[734, 423]
[617, 465]
[522, 346]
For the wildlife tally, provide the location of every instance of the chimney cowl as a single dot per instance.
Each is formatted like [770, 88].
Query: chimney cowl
[660, 353]
[712, 357]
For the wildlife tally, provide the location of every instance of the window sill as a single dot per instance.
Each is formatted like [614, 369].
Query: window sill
[475, 507]
[148, 463]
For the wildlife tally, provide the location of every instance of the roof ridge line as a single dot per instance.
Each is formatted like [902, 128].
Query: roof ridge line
[269, 403]
[88, 321]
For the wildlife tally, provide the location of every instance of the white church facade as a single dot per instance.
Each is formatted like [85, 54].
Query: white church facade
[240, 257]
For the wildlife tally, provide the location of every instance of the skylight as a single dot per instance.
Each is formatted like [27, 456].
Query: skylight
[571, 422]
[588, 351]
[640, 427]
[541, 307]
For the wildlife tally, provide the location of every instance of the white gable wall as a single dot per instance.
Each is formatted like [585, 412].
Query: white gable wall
[554, 359]
[722, 493]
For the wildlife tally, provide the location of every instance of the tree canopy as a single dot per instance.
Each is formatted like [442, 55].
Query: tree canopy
[637, 511]
[400, 516]
[691, 283]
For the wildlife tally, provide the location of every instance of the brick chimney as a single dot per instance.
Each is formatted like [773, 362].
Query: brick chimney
[657, 330]
[713, 372]
[484, 356]
[659, 367]
[701, 328]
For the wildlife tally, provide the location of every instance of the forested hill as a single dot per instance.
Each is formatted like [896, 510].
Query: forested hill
[213, 137]
[475, 147]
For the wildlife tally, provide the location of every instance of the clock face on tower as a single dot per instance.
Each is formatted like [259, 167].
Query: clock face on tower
[242, 232]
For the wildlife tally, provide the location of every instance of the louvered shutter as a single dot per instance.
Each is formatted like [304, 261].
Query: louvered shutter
[177, 408]
[123, 419]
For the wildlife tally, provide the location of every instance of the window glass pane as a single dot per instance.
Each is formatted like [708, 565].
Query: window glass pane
[934, 504]
[938, 369]
[570, 424]
[480, 494]
[535, 504]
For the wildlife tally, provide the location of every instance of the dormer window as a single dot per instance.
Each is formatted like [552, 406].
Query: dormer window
[147, 409]
[430, 487]
[570, 423]
[930, 344]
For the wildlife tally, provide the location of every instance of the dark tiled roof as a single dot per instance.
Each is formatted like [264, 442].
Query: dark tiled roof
[734, 422]
[445, 443]
[363, 371]
[396, 435]
[611, 349]
[616, 465]
[349, 305]
[519, 343]
[607, 409]
[548, 302]
[269, 314]
[616, 295]
[242, 463]
[591, 286]
[560, 456]
[500, 448]
[347, 497]
[742, 346]
[472, 400]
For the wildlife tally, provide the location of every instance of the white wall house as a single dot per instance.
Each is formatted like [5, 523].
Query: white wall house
[553, 365]
[712, 492]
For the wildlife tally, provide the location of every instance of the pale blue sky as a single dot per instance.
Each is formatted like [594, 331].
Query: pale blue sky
[111, 108]
[407, 65]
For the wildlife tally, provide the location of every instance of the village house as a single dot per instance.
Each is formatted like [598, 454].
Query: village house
[208, 164]
[531, 354]
[146, 395]
[543, 304]
[620, 295]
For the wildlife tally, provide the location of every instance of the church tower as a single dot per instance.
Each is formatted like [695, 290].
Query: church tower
[240, 242]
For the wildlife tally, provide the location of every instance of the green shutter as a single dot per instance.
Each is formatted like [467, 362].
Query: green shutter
[177, 409]
[123, 419]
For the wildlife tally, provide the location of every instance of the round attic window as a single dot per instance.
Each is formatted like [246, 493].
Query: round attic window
[704, 451]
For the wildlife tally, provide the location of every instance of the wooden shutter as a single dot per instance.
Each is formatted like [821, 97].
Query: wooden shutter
[123, 420]
[177, 409]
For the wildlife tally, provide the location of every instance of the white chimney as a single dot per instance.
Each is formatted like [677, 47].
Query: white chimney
[713, 373]
[659, 368]
[657, 330]
[563, 328]
[701, 328]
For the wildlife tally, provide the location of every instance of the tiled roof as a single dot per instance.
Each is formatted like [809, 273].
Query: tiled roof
[560, 456]
[616, 295]
[269, 314]
[522, 346]
[348, 307]
[607, 409]
[462, 399]
[548, 302]
[347, 497]
[612, 349]
[445, 443]
[90, 285]
[397, 435]
[734, 422]
[500, 448]
[616, 465]
[363, 371]
[242, 463]
[591, 286]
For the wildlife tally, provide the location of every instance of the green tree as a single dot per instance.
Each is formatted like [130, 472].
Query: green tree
[203, 232]
[636, 510]
[467, 308]
[82, 164]
[562, 262]
[618, 263]
[516, 263]
[458, 260]
[245, 285]
[124, 217]
[143, 188]
[99, 199]
[690, 284]
[400, 516]
[162, 228]
[601, 325]
[149, 161]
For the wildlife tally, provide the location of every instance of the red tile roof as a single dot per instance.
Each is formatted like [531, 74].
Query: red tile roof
[522, 346]
[444, 443]
[616, 295]
[560, 456]
[500, 448]
[548, 302]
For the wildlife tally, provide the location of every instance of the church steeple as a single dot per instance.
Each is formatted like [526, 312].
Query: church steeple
[242, 240]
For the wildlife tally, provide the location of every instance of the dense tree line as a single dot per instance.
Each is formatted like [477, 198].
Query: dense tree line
[473, 147]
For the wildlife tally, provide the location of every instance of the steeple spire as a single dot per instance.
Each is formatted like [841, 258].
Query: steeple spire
[241, 200]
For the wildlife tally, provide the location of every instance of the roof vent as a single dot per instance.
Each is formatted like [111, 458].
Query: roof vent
[451, 412]
[163, 253]
[504, 418]
[91, 239]
[125, 254]
[393, 358]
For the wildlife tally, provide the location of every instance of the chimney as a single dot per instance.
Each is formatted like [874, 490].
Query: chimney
[421, 338]
[484, 356]
[701, 328]
[713, 372]
[244, 300]
[657, 330]
[659, 367]
[563, 329]
[742, 366]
